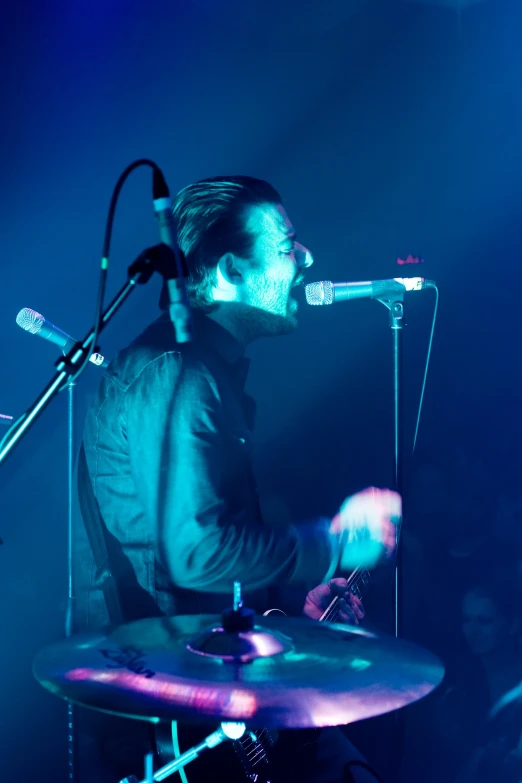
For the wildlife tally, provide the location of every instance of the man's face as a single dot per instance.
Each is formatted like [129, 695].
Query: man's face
[278, 262]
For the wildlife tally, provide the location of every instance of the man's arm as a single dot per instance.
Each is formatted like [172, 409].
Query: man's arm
[174, 423]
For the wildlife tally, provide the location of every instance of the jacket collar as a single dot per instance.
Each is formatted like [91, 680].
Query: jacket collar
[212, 334]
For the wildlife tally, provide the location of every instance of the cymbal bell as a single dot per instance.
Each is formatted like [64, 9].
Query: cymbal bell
[284, 673]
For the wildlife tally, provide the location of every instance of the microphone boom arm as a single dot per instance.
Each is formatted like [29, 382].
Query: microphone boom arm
[141, 270]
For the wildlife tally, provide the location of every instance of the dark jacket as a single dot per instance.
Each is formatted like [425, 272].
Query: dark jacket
[168, 448]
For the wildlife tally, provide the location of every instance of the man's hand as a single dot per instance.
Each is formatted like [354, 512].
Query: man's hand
[350, 607]
[369, 521]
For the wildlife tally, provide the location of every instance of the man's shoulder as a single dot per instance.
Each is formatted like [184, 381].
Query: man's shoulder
[154, 352]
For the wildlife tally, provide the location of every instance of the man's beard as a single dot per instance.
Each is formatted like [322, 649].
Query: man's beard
[263, 317]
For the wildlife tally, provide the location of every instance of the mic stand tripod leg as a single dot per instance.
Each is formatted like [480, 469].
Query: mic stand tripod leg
[226, 731]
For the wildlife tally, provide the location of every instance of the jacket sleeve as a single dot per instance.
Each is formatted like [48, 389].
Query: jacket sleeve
[172, 417]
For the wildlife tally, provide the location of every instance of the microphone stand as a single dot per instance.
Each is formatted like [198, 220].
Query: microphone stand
[395, 305]
[71, 416]
[71, 597]
[158, 258]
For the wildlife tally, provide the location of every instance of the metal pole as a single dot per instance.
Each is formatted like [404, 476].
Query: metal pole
[397, 323]
[70, 614]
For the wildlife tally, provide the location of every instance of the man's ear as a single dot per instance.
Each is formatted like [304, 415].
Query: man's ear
[229, 276]
[231, 268]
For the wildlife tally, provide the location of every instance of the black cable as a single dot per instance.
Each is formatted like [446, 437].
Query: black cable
[423, 389]
[104, 265]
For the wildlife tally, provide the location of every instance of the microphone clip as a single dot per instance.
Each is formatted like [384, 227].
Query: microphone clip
[158, 258]
[70, 361]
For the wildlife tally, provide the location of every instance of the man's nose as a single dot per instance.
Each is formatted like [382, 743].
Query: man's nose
[303, 257]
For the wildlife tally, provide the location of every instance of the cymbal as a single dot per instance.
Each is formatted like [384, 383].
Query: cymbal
[300, 673]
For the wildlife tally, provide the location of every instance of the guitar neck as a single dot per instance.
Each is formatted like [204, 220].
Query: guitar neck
[253, 749]
[358, 583]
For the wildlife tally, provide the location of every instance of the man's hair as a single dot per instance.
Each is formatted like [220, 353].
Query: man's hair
[210, 220]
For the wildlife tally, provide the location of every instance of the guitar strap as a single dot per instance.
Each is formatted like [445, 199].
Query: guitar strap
[104, 580]
[94, 526]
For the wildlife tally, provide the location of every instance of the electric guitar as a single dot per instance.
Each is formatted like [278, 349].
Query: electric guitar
[253, 749]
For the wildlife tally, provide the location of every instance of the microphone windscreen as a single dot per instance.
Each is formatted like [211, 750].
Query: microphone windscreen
[30, 320]
[319, 293]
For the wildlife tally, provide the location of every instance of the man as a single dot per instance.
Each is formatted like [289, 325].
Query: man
[167, 440]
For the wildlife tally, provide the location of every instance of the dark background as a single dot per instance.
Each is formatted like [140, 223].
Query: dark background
[389, 127]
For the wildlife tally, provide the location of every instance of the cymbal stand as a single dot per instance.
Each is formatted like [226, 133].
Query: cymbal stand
[234, 620]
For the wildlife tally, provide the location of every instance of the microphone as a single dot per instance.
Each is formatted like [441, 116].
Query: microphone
[179, 307]
[35, 323]
[326, 292]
